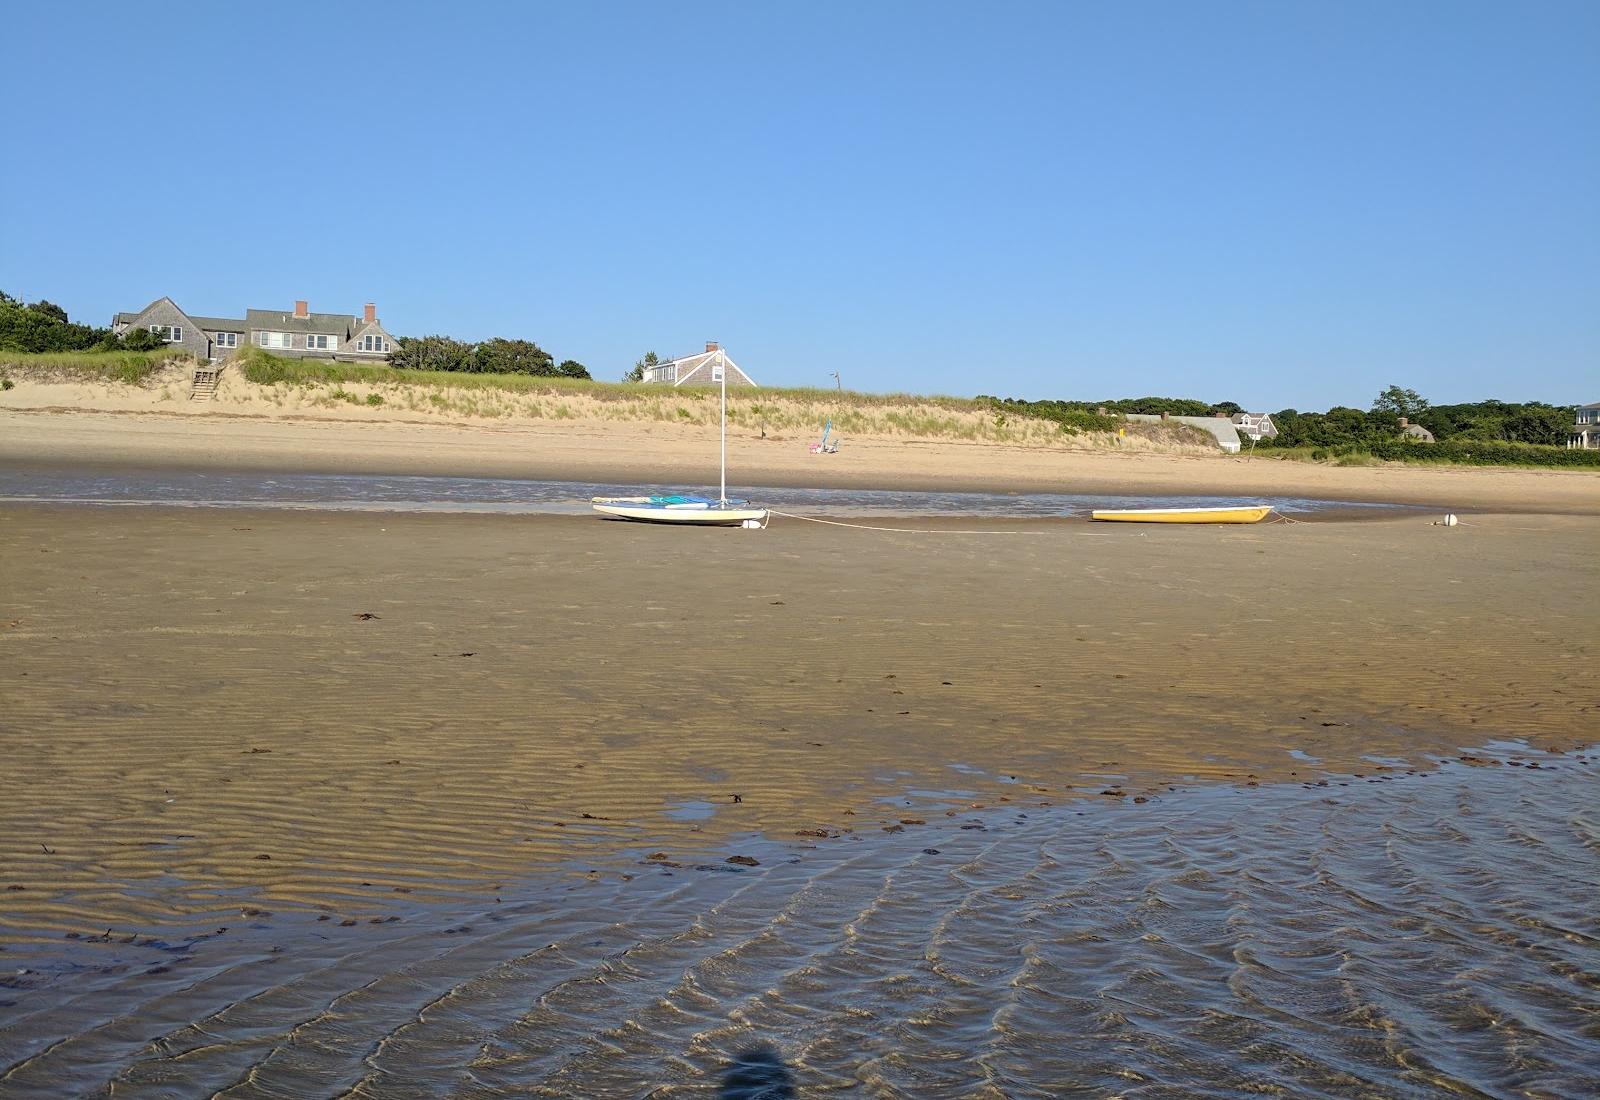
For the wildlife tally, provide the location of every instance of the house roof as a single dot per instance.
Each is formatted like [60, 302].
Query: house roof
[219, 324]
[1591, 405]
[278, 320]
[129, 318]
[701, 362]
[374, 326]
[1221, 427]
[213, 324]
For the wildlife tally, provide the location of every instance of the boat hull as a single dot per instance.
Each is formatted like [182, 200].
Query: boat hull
[1250, 514]
[683, 515]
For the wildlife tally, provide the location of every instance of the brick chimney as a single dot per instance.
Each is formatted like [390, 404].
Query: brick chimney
[711, 345]
[1101, 411]
[1405, 421]
[372, 313]
[1220, 415]
[301, 308]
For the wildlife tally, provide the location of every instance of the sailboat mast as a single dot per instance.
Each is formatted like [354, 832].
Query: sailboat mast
[723, 373]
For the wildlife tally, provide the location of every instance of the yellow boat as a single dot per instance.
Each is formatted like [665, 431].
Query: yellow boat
[1228, 514]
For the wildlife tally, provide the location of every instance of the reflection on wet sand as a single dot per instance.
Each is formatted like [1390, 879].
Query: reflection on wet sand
[1404, 935]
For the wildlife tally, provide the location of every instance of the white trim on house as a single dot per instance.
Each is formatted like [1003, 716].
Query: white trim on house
[696, 369]
[321, 341]
[268, 339]
[226, 339]
[372, 343]
[172, 334]
[1255, 425]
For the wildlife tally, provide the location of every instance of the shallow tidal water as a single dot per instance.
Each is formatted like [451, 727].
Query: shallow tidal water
[394, 493]
[1409, 935]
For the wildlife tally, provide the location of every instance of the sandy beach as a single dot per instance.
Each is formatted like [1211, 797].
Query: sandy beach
[323, 709]
[398, 803]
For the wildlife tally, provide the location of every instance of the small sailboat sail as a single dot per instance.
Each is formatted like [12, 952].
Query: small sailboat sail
[686, 509]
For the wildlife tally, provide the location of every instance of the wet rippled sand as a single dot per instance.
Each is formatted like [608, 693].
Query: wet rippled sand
[266, 774]
[1423, 935]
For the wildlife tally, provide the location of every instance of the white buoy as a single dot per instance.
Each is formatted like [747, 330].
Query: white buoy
[1449, 520]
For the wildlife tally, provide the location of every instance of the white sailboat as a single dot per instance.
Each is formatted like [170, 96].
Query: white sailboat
[691, 510]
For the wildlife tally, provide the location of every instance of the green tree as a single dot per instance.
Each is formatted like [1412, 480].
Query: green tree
[571, 368]
[636, 372]
[42, 326]
[1154, 406]
[431, 353]
[142, 339]
[1396, 402]
[50, 309]
[502, 356]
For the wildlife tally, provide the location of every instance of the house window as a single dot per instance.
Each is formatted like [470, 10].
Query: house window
[172, 334]
[317, 342]
[227, 339]
[374, 343]
[667, 374]
[275, 339]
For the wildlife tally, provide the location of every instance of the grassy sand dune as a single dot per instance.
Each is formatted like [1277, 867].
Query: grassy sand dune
[257, 384]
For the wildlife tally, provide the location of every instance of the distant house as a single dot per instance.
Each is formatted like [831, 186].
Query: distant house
[1255, 425]
[1219, 426]
[1414, 431]
[1585, 433]
[300, 334]
[695, 370]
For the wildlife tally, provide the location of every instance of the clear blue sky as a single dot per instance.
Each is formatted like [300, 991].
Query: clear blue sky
[1281, 203]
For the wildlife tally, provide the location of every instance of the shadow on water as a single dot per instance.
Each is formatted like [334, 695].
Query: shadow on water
[758, 1073]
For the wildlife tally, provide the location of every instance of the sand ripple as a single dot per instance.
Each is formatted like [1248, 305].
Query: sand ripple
[1425, 935]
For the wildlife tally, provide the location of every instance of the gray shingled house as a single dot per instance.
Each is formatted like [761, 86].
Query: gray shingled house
[1255, 425]
[300, 334]
[695, 370]
[1413, 431]
[1585, 432]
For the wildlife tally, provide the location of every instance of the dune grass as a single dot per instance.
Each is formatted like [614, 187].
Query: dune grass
[775, 412]
[1451, 452]
[133, 368]
[770, 410]
[264, 368]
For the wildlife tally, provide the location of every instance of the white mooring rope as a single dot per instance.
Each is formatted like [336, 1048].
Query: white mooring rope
[892, 530]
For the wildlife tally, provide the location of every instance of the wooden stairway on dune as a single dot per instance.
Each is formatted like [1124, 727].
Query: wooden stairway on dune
[204, 386]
